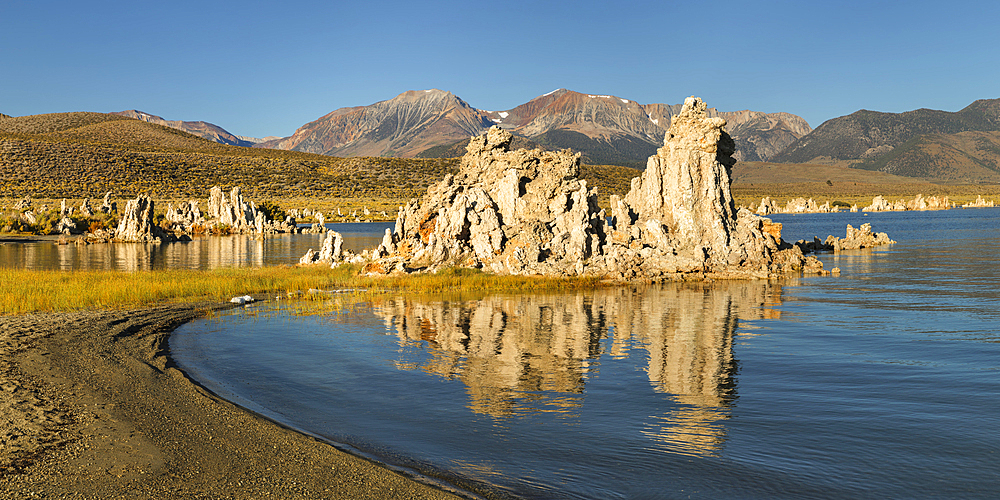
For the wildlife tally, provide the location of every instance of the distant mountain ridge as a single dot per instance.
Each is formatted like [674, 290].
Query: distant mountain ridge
[866, 134]
[961, 146]
[201, 129]
[605, 129]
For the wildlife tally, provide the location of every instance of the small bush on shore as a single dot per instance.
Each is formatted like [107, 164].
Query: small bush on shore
[272, 211]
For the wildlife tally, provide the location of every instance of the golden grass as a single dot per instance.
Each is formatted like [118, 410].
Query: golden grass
[27, 291]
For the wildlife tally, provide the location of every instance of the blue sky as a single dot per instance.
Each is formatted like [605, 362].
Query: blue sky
[266, 68]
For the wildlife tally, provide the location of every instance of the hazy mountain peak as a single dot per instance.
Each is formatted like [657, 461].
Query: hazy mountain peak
[201, 129]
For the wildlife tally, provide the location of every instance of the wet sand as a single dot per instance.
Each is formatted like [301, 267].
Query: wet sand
[91, 406]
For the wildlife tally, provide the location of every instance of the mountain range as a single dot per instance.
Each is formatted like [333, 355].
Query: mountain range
[204, 130]
[605, 129]
[953, 147]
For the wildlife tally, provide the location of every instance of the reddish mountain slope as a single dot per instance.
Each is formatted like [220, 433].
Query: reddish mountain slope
[605, 129]
[402, 126]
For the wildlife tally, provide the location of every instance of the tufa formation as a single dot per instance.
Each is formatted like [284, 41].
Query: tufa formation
[528, 213]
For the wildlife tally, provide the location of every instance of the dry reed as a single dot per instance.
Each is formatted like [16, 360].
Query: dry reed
[27, 291]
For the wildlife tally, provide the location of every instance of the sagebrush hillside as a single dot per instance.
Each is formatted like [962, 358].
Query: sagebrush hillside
[201, 129]
[947, 146]
[961, 157]
[78, 155]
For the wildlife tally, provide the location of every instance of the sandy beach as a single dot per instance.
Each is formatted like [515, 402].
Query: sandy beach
[91, 406]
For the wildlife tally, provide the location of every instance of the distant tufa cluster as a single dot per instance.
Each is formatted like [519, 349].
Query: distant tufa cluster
[768, 206]
[228, 215]
[528, 213]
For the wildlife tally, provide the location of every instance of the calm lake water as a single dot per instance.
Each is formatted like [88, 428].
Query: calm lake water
[883, 382]
[203, 252]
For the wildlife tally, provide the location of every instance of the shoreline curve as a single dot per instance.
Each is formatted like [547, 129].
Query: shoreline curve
[94, 407]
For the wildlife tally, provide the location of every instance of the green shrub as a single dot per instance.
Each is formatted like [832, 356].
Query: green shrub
[271, 210]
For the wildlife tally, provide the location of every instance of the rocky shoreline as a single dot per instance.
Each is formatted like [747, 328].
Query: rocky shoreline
[93, 407]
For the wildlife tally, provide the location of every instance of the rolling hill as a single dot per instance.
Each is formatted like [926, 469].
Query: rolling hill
[964, 157]
[956, 146]
[84, 155]
[201, 129]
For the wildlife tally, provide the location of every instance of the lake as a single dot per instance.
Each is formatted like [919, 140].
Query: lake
[203, 252]
[882, 382]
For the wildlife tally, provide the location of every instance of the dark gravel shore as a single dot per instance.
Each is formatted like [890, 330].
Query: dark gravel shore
[92, 407]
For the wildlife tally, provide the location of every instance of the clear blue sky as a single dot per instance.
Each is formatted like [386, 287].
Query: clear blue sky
[266, 68]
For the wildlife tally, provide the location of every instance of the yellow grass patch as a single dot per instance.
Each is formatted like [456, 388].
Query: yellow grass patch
[26, 291]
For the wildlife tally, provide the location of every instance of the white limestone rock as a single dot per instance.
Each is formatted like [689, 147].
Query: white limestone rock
[855, 239]
[23, 204]
[136, 224]
[109, 206]
[767, 206]
[527, 212]
[330, 252]
[510, 212]
[979, 203]
[67, 226]
[85, 209]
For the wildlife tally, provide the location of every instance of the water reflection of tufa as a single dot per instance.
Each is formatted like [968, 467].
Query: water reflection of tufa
[208, 252]
[535, 353]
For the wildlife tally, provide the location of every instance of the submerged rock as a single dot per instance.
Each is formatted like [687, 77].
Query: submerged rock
[98, 236]
[528, 212]
[245, 299]
[855, 239]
